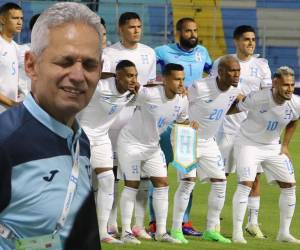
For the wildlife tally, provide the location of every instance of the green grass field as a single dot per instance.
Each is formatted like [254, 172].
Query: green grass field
[269, 215]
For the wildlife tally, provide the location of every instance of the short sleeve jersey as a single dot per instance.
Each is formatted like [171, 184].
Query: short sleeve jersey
[154, 113]
[9, 72]
[103, 109]
[208, 105]
[255, 75]
[142, 56]
[194, 62]
[266, 119]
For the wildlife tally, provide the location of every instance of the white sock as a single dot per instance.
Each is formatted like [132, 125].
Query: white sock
[181, 200]
[287, 203]
[216, 199]
[112, 221]
[253, 208]
[160, 205]
[239, 206]
[104, 199]
[141, 202]
[126, 207]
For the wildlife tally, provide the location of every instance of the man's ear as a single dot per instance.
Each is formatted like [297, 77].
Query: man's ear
[2, 20]
[30, 65]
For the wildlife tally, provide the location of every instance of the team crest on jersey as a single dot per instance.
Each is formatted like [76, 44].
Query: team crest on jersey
[145, 59]
[254, 71]
[198, 57]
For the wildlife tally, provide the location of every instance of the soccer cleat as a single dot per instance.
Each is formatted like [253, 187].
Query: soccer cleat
[254, 230]
[211, 235]
[152, 227]
[166, 238]
[111, 240]
[129, 238]
[287, 238]
[113, 231]
[187, 229]
[178, 235]
[140, 232]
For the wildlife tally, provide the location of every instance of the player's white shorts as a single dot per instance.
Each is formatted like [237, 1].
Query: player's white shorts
[137, 160]
[101, 154]
[226, 145]
[275, 165]
[210, 162]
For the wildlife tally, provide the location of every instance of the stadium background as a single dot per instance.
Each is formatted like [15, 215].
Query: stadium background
[278, 39]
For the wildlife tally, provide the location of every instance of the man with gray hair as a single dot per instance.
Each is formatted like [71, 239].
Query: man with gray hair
[44, 154]
[258, 143]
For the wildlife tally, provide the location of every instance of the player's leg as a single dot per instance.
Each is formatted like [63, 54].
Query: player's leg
[280, 169]
[212, 170]
[247, 159]
[181, 200]
[156, 168]
[102, 161]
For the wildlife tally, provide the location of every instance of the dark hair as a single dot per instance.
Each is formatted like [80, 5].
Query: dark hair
[240, 30]
[181, 21]
[9, 6]
[124, 64]
[172, 67]
[33, 20]
[103, 22]
[128, 16]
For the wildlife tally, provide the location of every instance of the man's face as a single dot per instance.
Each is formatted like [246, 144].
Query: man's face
[127, 78]
[13, 21]
[285, 86]
[131, 31]
[104, 38]
[175, 81]
[230, 73]
[66, 74]
[245, 45]
[188, 35]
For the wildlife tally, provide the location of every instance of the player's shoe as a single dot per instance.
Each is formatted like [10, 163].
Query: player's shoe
[211, 235]
[129, 238]
[152, 228]
[187, 229]
[110, 240]
[166, 238]
[113, 231]
[178, 235]
[140, 232]
[254, 230]
[287, 238]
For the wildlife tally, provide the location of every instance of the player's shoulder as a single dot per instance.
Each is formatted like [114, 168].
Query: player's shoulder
[259, 97]
[112, 48]
[260, 61]
[145, 47]
[201, 48]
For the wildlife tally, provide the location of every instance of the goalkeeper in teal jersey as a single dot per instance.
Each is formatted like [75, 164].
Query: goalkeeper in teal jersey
[195, 60]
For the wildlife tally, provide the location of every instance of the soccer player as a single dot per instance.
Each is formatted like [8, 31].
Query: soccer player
[195, 60]
[11, 20]
[44, 153]
[258, 143]
[111, 96]
[139, 151]
[130, 48]
[209, 101]
[255, 75]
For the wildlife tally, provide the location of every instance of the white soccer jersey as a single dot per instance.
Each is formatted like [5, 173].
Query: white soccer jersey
[102, 110]
[9, 72]
[266, 119]
[143, 57]
[24, 80]
[208, 105]
[255, 75]
[153, 114]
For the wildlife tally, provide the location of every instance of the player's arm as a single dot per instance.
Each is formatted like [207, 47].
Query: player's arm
[288, 134]
[234, 106]
[7, 102]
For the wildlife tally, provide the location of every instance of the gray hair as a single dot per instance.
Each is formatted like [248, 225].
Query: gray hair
[283, 71]
[57, 15]
[224, 59]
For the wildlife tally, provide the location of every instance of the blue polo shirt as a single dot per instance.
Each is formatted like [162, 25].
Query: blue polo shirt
[36, 159]
[194, 62]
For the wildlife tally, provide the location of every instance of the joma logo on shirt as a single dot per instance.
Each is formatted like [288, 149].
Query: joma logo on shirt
[52, 174]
